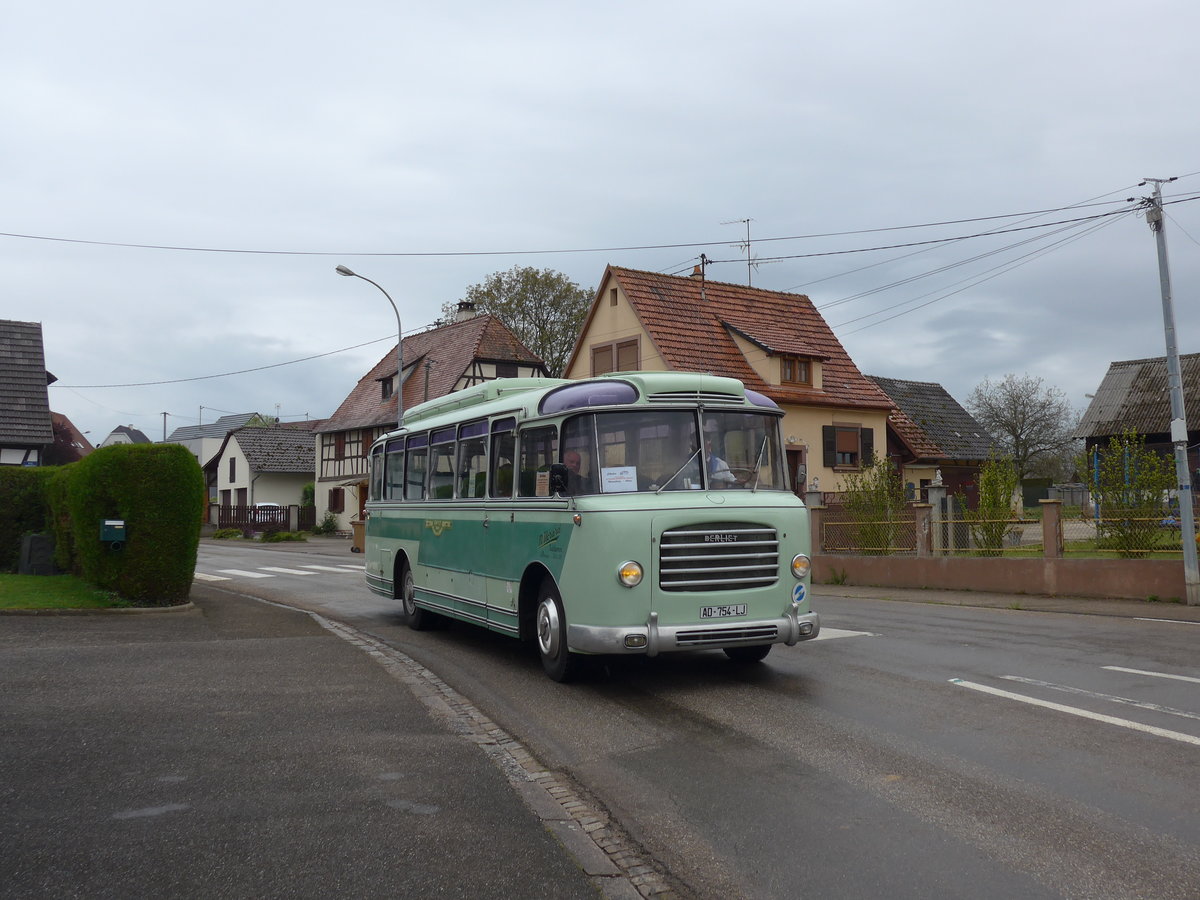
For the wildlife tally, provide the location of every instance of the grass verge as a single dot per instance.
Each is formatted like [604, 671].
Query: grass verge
[54, 592]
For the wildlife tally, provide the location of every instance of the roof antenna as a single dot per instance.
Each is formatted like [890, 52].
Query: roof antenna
[745, 245]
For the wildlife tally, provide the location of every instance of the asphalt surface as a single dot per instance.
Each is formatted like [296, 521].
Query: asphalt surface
[239, 748]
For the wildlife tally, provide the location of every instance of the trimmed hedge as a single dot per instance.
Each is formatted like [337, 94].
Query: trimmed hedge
[23, 509]
[156, 489]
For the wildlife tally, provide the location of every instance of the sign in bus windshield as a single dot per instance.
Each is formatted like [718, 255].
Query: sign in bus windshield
[639, 513]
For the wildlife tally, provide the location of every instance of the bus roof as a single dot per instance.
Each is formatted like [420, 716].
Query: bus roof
[525, 394]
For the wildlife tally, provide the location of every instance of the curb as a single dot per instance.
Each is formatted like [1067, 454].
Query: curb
[606, 854]
[100, 611]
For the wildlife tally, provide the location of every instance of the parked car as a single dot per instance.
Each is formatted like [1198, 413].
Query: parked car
[269, 514]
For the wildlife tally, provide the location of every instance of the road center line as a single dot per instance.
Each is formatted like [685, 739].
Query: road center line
[281, 570]
[341, 570]
[1082, 713]
[830, 633]
[1153, 674]
[1153, 707]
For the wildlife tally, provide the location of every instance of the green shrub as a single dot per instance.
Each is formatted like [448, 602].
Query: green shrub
[1129, 484]
[327, 525]
[224, 534]
[276, 537]
[155, 489]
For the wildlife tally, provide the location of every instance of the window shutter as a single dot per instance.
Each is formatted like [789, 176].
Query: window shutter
[337, 500]
[602, 359]
[830, 448]
[868, 447]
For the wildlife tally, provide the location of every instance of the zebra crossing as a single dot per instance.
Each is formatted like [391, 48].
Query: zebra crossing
[275, 571]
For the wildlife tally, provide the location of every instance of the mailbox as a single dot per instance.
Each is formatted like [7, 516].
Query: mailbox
[112, 531]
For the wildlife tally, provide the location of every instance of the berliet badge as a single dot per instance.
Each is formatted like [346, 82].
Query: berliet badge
[720, 538]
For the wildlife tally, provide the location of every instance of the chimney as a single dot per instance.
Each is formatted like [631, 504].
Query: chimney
[698, 272]
[466, 310]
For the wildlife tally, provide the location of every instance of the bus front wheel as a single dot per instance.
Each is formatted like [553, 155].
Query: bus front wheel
[748, 654]
[559, 662]
[414, 617]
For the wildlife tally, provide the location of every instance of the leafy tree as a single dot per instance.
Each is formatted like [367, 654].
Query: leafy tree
[874, 500]
[544, 308]
[1129, 484]
[1032, 423]
[991, 521]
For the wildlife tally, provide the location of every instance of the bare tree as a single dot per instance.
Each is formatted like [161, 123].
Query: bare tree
[544, 308]
[1032, 423]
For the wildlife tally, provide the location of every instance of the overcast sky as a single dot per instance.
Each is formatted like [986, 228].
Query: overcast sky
[415, 142]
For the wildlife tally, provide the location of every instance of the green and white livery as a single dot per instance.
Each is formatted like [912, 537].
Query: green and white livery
[633, 513]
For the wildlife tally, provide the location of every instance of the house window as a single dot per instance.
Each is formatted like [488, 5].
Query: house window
[506, 370]
[793, 370]
[339, 446]
[232, 469]
[385, 388]
[337, 500]
[621, 356]
[847, 446]
[612, 296]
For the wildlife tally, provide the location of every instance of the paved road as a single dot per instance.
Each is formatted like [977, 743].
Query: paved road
[921, 750]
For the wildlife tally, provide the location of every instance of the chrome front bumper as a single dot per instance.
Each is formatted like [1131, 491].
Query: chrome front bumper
[790, 628]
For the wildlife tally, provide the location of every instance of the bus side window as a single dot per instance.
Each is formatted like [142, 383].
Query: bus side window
[539, 449]
[472, 460]
[504, 445]
[418, 462]
[441, 464]
[377, 463]
[393, 473]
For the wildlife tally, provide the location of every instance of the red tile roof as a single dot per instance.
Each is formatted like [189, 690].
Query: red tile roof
[691, 323]
[450, 350]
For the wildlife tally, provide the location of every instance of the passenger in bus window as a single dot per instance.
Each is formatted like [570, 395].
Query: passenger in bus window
[577, 483]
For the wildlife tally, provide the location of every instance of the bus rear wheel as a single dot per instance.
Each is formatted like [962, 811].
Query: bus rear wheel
[748, 654]
[414, 617]
[559, 662]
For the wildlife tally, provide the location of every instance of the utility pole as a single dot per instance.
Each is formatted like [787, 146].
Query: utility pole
[164, 415]
[1179, 430]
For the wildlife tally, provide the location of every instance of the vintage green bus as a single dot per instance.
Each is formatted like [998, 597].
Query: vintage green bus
[631, 513]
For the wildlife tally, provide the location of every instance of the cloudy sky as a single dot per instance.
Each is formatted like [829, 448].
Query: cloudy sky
[179, 180]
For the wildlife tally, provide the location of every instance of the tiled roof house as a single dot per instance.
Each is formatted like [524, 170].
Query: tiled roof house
[25, 426]
[263, 464]
[775, 342]
[929, 431]
[474, 349]
[1134, 395]
[125, 434]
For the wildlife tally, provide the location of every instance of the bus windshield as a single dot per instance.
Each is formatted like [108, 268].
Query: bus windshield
[659, 450]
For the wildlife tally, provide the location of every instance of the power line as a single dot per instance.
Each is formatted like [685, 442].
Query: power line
[223, 374]
[547, 251]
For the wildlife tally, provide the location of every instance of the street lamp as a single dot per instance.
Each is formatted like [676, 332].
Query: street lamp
[342, 270]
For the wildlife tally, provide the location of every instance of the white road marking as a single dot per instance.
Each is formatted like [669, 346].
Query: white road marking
[341, 570]
[1172, 621]
[352, 565]
[282, 571]
[830, 633]
[242, 573]
[1082, 713]
[200, 576]
[1153, 707]
[1153, 674]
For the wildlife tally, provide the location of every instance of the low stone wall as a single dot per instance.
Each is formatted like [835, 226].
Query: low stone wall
[1136, 579]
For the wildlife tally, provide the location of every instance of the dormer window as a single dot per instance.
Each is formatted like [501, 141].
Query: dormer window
[794, 370]
[385, 385]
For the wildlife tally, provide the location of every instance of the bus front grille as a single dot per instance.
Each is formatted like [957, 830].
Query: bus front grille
[718, 556]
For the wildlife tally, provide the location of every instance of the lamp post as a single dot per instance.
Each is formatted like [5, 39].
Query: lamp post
[342, 270]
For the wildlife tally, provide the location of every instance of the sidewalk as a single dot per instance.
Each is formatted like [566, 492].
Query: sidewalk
[1079, 606]
[238, 748]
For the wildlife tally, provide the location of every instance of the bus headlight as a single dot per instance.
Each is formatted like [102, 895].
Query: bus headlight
[630, 573]
[800, 565]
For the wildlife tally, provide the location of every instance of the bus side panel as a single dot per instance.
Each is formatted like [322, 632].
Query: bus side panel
[514, 540]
